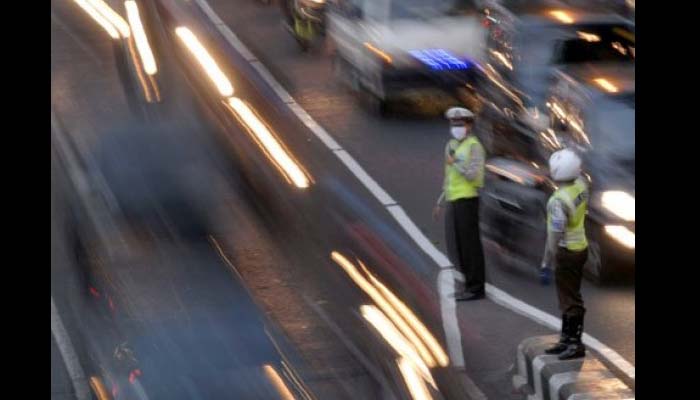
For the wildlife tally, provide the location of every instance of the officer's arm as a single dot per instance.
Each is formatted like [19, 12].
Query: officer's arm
[440, 199]
[555, 232]
[470, 168]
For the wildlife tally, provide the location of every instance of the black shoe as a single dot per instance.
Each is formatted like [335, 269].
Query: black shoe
[563, 342]
[573, 350]
[469, 296]
[558, 348]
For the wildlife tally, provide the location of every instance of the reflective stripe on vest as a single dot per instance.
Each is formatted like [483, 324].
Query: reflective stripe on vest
[575, 200]
[456, 185]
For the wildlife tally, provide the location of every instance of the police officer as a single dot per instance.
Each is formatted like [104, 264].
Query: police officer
[567, 249]
[464, 175]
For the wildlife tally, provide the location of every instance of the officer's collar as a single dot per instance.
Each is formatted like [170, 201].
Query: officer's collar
[567, 183]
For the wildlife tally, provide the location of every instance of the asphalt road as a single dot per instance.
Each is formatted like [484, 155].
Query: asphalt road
[179, 305]
[403, 153]
[182, 304]
[183, 310]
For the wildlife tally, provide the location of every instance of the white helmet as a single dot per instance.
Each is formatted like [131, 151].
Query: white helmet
[459, 113]
[564, 165]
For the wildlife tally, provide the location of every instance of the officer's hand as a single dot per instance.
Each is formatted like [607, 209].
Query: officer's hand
[545, 275]
[436, 212]
[450, 160]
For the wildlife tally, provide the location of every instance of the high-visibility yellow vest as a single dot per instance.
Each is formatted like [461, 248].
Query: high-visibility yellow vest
[575, 199]
[456, 185]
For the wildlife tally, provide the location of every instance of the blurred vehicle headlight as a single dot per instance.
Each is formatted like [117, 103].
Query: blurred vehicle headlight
[619, 203]
[313, 3]
[621, 234]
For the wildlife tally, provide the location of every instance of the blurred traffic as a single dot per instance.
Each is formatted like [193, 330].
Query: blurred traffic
[192, 166]
[542, 75]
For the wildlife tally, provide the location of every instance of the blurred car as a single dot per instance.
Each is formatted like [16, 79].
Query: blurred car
[388, 49]
[158, 178]
[592, 110]
[528, 41]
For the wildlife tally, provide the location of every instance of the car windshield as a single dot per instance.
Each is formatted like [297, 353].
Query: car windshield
[420, 9]
[598, 43]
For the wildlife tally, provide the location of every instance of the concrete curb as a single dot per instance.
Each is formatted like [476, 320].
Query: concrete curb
[544, 377]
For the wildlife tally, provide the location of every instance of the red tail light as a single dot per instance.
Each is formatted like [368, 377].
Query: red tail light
[133, 375]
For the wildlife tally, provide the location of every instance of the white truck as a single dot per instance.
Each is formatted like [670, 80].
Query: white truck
[385, 48]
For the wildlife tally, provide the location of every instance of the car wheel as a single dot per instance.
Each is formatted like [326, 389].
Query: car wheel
[374, 104]
[340, 69]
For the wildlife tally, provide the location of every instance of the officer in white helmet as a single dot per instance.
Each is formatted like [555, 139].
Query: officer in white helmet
[566, 249]
[464, 176]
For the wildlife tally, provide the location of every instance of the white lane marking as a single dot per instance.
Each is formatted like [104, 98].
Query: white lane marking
[279, 90]
[70, 357]
[366, 180]
[548, 320]
[609, 354]
[448, 310]
[418, 236]
[446, 291]
[492, 292]
[235, 42]
[223, 29]
[472, 390]
[522, 308]
[213, 16]
[314, 126]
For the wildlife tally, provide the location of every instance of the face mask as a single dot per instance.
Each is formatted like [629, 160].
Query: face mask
[458, 132]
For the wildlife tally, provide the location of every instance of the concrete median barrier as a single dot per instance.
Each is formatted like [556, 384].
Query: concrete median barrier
[544, 377]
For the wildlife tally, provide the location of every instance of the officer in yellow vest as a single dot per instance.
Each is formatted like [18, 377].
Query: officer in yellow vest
[464, 175]
[567, 249]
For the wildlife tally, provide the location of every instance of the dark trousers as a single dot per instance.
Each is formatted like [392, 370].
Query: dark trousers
[464, 241]
[568, 275]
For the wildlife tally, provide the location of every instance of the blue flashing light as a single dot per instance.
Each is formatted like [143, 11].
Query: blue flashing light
[439, 59]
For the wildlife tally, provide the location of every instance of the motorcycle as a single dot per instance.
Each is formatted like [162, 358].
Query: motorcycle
[305, 20]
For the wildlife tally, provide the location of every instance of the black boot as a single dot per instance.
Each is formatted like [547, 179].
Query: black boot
[563, 342]
[575, 348]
